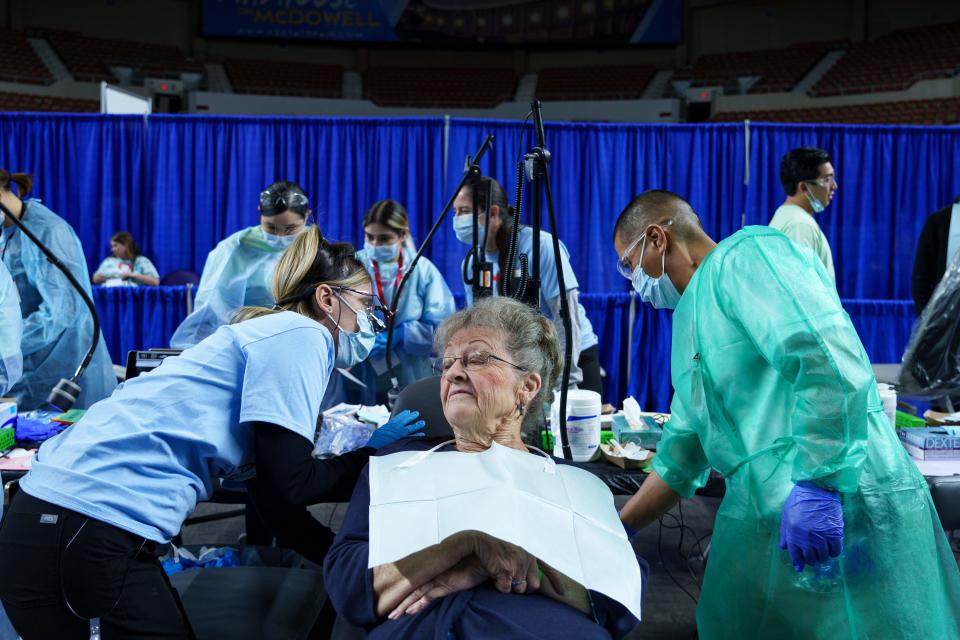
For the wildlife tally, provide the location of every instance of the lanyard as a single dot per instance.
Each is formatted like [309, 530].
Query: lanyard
[396, 284]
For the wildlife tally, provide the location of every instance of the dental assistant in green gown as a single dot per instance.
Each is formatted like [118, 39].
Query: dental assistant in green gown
[827, 529]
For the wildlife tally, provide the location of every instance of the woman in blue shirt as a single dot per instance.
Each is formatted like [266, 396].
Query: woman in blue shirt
[426, 300]
[240, 268]
[106, 496]
[585, 366]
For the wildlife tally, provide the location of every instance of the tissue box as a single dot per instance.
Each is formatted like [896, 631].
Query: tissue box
[8, 412]
[647, 437]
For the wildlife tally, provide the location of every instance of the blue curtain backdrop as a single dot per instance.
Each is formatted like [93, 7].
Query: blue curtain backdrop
[890, 178]
[205, 175]
[180, 184]
[87, 168]
[138, 317]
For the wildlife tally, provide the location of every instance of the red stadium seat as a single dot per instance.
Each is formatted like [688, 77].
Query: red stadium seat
[625, 82]
[895, 61]
[31, 102]
[402, 86]
[19, 62]
[90, 59]
[285, 78]
[932, 111]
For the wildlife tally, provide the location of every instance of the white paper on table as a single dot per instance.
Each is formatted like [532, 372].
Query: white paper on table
[560, 514]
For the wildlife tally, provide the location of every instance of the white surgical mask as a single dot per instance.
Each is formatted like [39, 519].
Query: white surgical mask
[353, 347]
[383, 252]
[463, 227]
[659, 291]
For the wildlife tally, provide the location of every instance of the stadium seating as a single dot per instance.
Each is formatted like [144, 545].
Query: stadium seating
[19, 62]
[778, 69]
[933, 111]
[30, 102]
[405, 87]
[895, 61]
[89, 59]
[625, 82]
[285, 78]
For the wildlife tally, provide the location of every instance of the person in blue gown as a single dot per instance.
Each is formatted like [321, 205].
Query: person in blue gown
[239, 270]
[57, 327]
[11, 331]
[425, 302]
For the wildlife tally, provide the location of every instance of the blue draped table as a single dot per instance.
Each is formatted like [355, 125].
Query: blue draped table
[139, 317]
[636, 358]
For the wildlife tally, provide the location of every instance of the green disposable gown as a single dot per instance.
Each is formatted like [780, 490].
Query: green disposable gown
[772, 386]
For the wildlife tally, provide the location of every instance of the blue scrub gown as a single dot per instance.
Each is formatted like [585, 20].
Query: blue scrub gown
[57, 327]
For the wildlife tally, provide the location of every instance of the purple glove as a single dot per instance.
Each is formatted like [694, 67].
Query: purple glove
[811, 527]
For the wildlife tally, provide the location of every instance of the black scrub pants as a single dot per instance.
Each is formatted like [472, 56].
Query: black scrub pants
[60, 569]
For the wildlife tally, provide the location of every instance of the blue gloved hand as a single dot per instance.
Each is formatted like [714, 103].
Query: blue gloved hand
[400, 426]
[811, 526]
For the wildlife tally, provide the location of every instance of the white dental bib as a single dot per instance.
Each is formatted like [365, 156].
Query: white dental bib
[560, 514]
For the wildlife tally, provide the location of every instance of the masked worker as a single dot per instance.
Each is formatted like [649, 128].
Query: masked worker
[827, 528]
[239, 270]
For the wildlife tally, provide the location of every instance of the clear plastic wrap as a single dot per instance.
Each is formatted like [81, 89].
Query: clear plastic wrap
[341, 431]
[931, 364]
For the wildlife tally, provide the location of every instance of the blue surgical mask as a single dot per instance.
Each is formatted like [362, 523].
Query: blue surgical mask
[463, 227]
[353, 347]
[815, 204]
[659, 291]
[279, 242]
[383, 252]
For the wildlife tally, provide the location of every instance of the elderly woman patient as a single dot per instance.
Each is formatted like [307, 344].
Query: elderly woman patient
[500, 362]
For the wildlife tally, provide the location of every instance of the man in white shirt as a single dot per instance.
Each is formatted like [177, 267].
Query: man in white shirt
[808, 178]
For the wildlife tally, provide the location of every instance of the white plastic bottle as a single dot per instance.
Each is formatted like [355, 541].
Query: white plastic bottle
[583, 424]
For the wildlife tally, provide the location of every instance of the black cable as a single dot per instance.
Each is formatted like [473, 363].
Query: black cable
[67, 390]
[514, 236]
[524, 277]
[539, 157]
[664, 564]
[394, 382]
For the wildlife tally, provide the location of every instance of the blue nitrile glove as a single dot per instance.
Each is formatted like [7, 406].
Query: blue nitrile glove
[630, 530]
[400, 426]
[811, 526]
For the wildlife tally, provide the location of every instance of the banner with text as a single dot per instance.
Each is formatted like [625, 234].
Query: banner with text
[356, 20]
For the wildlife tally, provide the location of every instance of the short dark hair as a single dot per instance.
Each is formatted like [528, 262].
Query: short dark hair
[281, 196]
[653, 207]
[799, 165]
